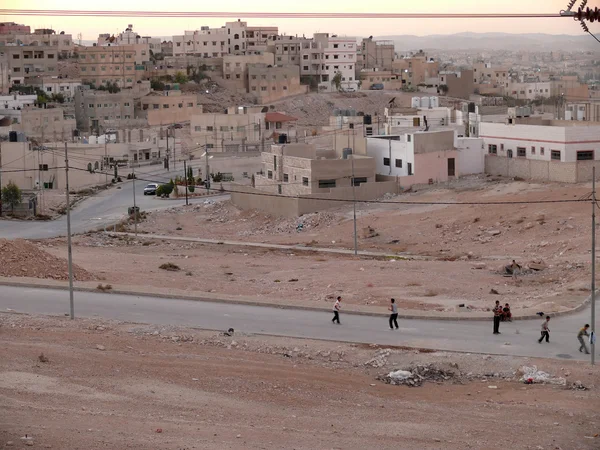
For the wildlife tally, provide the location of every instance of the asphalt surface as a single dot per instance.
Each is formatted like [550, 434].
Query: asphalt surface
[518, 338]
[103, 209]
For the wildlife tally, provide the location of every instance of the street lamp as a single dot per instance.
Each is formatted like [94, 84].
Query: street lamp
[207, 177]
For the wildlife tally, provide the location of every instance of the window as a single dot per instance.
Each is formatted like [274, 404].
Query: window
[18, 56]
[197, 128]
[16, 69]
[585, 155]
[493, 149]
[44, 167]
[541, 150]
[386, 161]
[305, 67]
[126, 104]
[399, 163]
[358, 181]
[532, 150]
[555, 155]
[408, 138]
[155, 106]
[335, 45]
[91, 105]
[286, 178]
[326, 184]
[410, 171]
[521, 152]
[210, 146]
[509, 153]
[305, 57]
[209, 128]
[263, 88]
[237, 75]
[224, 128]
[304, 181]
[501, 147]
[335, 56]
[270, 174]
[190, 105]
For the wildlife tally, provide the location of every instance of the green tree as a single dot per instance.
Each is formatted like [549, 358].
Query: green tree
[181, 78]
[157, 85]
[443, 89]
[337, 81]
[11, 195]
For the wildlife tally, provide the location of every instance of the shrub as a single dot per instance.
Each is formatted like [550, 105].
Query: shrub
[191, 188]
[11, 195]
[170, 267]
[164, 190]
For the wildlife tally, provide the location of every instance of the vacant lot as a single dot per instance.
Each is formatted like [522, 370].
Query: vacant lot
[113, 385]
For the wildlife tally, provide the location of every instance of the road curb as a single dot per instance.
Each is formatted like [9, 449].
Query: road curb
[578, 308]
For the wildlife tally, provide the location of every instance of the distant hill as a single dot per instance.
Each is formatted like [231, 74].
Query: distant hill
[494, 41]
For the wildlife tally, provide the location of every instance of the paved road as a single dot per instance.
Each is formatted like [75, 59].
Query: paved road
[105, 208]
[466, 336]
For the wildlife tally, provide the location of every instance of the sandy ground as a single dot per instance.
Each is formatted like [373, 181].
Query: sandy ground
[115, 385]
[462, 250]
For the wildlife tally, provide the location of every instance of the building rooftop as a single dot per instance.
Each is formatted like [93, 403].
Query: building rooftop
[279, 117]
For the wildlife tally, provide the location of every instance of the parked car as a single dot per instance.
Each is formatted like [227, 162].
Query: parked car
[377, 87]
[151, 189]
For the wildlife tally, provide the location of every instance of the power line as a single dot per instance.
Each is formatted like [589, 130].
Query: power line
[275, 15]
[301, 197]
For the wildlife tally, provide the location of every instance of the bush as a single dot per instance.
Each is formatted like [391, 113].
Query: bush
[164, 190]
[191, 188]
[170, 267]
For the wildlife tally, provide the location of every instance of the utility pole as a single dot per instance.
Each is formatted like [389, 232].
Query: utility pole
[174, 149]
[105, 158]
[0, 178]
[135, 214]
[69, 248]
[207, 176]
[593, 334]
[354, 205]
[186, 182]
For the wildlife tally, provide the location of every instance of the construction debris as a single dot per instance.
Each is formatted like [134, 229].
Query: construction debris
[369, 232]
[417, 375]
[537, 265]
[531, 375]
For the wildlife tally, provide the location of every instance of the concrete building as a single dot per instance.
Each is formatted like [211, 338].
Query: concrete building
[100, 110]
[376, 54]
[302, 169]
[487, 74]
[16, 101]
[46, 124]
[584, 111]
[55, 85]
[417, 158]
[238, 130]
[13, 28]
[416, 69]
[389, 79]
[108, 64]
[535, 148]
[206, 42]
[570, 88]
[339, 58]
[268, 84]
[235, 67]
[460, 84]
[144, 46]
[529, 91]
[288, 49]
[27, 62]
[169, 107]
[61, 42]
[403, 120]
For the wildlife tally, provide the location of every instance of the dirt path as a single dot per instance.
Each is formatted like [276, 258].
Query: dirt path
[215, 392]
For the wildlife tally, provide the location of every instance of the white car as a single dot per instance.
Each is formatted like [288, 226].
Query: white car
[151, 189]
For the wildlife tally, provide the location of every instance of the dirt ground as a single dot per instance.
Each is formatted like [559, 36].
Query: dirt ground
[117, 385]
[465, 247]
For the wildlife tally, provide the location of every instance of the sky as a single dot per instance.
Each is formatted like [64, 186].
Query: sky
[90, 27]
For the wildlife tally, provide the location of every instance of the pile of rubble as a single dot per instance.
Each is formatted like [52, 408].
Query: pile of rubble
[417, 375]
[21, 258]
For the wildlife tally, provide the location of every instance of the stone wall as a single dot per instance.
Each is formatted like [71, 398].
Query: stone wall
[562, 172]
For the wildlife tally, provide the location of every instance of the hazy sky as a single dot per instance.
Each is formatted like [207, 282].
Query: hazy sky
[90, 27]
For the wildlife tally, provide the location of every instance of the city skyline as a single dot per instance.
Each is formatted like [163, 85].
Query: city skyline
[90, 27]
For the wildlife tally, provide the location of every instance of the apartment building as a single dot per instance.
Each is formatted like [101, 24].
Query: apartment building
[169, 107]
[56, 85]
[206, 42]
[235, 67]
[100, 110]
[258, 38]
[270, 83]
[288, 49]
[108, 64]
[486, 73]
[529, 91]
[4, 74]
[27, 62]
[416, 69]
[62, 43]
[238, 130]
[329, 56]
[570, 88]
[46, 124]
[387, 78]
[13, 28]
[376, 54]
[144, 46]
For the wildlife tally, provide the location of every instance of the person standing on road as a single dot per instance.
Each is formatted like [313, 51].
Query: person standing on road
[497, 317]
[583, 332]
[336, 310]
[394, 315]
[545, 330]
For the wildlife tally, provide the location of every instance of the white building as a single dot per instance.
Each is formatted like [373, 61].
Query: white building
[542, 140]
[54, 85]
[16, 101]
[424, 119]
[206, 42]
[530, 91]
